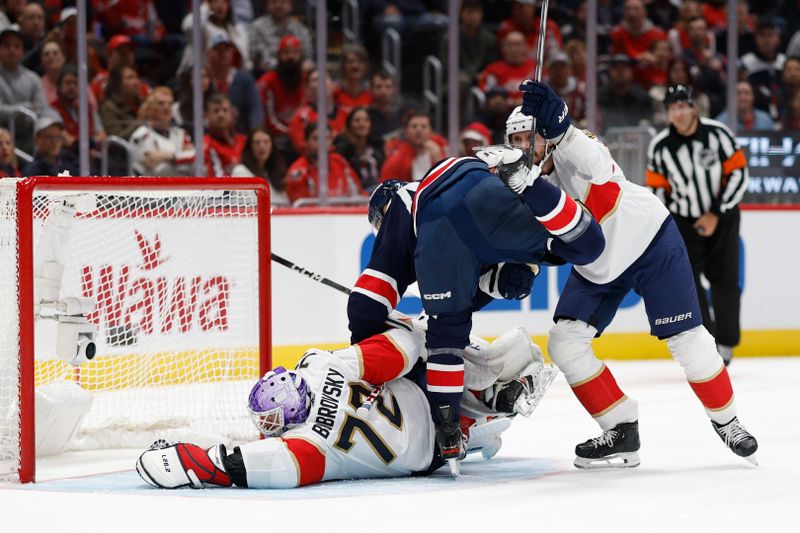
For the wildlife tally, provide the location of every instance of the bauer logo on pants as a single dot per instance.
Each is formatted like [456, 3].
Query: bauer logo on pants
[672, 319]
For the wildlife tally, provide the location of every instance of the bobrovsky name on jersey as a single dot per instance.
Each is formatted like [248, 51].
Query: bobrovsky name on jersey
[540, 298]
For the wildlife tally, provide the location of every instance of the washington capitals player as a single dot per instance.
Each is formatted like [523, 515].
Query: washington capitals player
[458, 222]
[316, 431]
[644, 252]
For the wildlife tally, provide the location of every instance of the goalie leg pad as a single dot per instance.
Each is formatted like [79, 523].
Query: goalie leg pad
[173, 466]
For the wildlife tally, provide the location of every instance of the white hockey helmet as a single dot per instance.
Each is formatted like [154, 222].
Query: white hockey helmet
[517, 122]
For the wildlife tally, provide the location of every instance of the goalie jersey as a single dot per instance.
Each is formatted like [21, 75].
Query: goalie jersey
[395, 438]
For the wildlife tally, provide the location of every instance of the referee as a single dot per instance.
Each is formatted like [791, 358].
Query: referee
[701, 174]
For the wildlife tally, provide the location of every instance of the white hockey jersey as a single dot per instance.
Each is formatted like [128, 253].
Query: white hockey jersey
[630, 215]
[176, 142]
[396, 437]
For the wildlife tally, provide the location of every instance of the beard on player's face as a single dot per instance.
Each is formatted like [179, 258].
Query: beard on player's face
[290, 72]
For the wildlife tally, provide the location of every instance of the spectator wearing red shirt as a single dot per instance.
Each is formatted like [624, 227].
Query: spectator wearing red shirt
[352, 90]
[222, 145]
[308, 113]
[66, 104]
[510, 71]
[715, 13]
[411, 156]
[283, 90]
[636, 33]
[652, 68]
[302, 179]
[120, 54]
[524, 20]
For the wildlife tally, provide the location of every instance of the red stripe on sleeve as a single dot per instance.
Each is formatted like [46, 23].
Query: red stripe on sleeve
[564, 217]
[445, 379]
[715, 393]
[378, 286]
[310, 460]
[599, 393]
[382, 360]
[602, 199]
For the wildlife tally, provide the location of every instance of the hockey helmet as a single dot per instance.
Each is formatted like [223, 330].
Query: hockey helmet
[518, 122]
[678, 93]
[279, 401]
[379, 201]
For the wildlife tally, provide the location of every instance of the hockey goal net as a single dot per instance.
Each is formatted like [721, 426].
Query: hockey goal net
[168, 277]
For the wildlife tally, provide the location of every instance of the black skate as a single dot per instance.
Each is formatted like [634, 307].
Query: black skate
[615, 448]
[726, 352]
[738, 439]
[450, 440]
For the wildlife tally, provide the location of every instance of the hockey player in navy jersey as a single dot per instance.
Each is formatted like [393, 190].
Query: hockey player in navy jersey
[444, 235]
[644, 252]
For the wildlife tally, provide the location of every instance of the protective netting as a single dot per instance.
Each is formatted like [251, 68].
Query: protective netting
[174, 277]
[9, 333]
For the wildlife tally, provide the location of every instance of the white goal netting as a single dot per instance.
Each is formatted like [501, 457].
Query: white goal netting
[174, 279]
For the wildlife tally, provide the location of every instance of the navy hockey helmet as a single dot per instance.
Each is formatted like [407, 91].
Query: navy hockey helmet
[379, 201]
[678, 93]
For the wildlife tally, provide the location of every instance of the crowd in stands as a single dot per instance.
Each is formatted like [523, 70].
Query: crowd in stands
[260, 83]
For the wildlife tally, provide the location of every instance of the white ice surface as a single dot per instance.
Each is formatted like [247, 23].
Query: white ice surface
[688, 480]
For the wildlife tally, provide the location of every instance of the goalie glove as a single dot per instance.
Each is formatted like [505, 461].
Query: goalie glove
[171, 466]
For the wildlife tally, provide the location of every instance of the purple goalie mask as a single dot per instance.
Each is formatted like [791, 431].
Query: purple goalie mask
[279, 401]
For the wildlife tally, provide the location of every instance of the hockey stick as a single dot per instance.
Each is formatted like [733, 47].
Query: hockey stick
[540, 54]
[392, 322]
[366, 407]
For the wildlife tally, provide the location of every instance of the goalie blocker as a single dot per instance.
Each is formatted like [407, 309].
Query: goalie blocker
[395, 438]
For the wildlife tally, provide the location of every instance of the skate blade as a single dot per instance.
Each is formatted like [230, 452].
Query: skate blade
[455, 468]
[616, 460]
[752, 459]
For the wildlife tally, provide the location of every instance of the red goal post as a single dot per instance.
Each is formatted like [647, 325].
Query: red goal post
[178, 316]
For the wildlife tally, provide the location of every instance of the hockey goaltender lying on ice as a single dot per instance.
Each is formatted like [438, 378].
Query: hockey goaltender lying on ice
[360, 412]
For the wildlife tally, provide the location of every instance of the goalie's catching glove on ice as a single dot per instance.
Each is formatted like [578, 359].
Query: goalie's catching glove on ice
[170, 466]
[550, 111]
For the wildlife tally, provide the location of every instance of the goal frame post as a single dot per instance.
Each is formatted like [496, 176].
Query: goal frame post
[27, 188]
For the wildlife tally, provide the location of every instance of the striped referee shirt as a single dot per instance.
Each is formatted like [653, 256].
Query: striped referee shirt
[704, 172]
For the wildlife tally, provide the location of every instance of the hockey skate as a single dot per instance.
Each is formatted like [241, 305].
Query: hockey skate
[738, 439]
[726, 352]
[615, 448]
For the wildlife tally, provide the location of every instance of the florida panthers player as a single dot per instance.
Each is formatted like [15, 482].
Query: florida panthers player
[644, 252]
[316, 431]
[444, 235]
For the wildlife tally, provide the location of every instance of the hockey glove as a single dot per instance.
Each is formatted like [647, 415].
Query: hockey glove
[542, 103]
[170, 466]
[516, 174]
[510, 281]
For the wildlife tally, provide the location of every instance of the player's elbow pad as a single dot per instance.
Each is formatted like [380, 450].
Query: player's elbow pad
[581, 245]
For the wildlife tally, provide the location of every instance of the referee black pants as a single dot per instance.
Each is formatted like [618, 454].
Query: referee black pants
[717, 258]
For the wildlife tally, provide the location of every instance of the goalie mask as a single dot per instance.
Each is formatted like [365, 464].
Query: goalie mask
[279, 401]
[379, 201]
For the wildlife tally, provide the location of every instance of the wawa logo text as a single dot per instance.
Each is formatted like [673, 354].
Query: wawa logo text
[138, 297]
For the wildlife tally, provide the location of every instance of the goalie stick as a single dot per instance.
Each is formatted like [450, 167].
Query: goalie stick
[390, 321]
